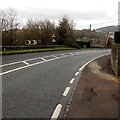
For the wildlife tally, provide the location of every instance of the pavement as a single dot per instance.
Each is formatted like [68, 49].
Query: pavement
[96, 95]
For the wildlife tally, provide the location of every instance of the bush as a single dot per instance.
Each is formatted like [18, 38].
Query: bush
[71, 43]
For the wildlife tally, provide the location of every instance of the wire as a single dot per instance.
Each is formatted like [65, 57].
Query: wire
[106, 22]
[103, 23]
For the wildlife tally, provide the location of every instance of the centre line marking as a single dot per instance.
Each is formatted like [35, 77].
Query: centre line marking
[53, 56]
[56, 112]
[66, 91]
[72, 80]
[25, 63]
[10, 64]
[76, 73]
[71, 54]
[16, 69]
[43, 59]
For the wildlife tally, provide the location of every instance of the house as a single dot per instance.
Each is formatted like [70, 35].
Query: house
[110, 39]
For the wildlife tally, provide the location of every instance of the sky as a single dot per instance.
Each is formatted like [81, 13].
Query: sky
[98, 13]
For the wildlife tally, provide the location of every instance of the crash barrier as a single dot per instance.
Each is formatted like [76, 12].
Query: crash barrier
[5, 48]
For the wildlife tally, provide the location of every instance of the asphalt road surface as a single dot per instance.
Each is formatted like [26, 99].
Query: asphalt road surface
[39, 85]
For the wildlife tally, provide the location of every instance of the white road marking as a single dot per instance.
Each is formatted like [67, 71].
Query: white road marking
[58, 55]
[59, 106]
[66, 91]
[71, 53]
[43, 59]
[86, 64]
[25, 63]
[31, 59]
[13, 70]
[22, 61]
[39, 58]
[76, 73]
[16, 62]
[91, 61]
[54, 56]
[10, 64]
[56, 112]
[72, 80]
[78, 53]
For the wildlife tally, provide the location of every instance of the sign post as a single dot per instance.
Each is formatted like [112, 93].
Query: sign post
[53, 39]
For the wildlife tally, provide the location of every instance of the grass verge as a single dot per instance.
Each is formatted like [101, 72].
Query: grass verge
[35, 50]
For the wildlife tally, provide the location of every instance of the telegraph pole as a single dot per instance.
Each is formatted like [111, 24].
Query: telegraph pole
[90, 27]
[119, 16]
[90, 35]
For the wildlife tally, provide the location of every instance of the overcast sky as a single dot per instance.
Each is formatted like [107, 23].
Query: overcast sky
[98, 13]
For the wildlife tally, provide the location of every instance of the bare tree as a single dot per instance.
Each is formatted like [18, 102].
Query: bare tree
[40, 30]
[47, 29]
[9, 25]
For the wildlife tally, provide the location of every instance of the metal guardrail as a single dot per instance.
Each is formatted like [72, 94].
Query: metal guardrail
[5, 48]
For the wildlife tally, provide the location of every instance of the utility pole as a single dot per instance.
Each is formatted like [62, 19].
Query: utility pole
[90, 27]
[0, 34]
[119, 16]
[90, 35]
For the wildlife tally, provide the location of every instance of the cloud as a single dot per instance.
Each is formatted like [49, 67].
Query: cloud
[57, 13]
[82, 19]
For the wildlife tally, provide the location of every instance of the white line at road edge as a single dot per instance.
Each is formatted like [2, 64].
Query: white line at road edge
[91, 61]
[56, 112]
[59, 106]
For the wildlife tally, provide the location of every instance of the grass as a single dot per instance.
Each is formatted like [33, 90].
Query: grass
[35, 50]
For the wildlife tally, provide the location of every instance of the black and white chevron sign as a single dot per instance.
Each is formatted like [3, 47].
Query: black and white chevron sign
[30, 42]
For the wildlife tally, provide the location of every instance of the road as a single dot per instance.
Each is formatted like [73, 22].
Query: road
[39, 85]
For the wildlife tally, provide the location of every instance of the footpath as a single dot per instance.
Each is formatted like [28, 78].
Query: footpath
[97, 93]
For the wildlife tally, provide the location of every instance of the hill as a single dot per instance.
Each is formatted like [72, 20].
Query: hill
[108, 29]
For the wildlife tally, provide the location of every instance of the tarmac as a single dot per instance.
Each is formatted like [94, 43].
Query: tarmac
[97, 93]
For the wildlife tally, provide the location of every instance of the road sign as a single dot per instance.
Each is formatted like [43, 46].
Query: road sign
[53, 40]
[30, 42]
[53, 36]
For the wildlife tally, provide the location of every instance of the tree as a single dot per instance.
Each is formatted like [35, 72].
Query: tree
[47, 29]
[9, 25]
[32, 30]
[65, 32]
[39, 30]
